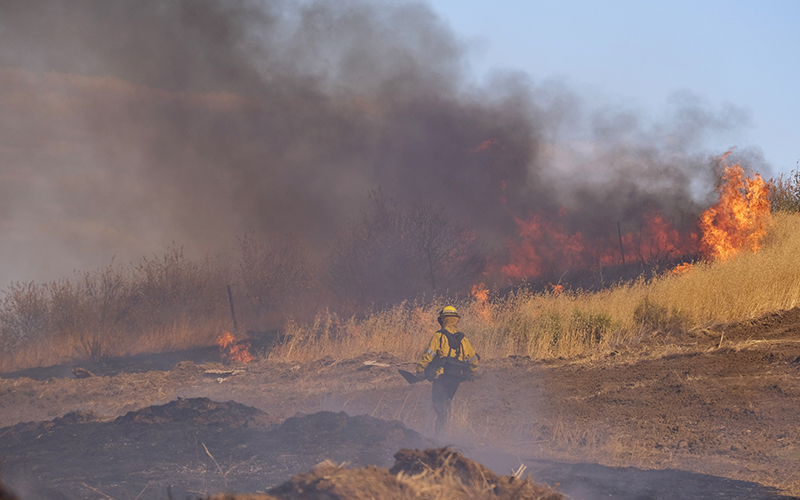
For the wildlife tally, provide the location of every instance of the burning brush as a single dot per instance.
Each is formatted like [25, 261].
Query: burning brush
[737, 222]
[740, 218]
[232, 350]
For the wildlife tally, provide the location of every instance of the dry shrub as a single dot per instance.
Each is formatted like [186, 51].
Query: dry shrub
[399, 330]
[161, 304]
[785, 192]
[745, 287]
[25, 314]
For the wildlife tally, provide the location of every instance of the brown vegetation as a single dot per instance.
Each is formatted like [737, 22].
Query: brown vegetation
[173, 302]
[547, 324]
[425, 475]
[160, 304]
[379, 290]
[785, 192]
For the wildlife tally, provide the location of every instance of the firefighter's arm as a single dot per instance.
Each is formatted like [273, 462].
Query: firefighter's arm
[470, 356]
[429, 353]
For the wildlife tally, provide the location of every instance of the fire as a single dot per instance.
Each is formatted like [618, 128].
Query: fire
[682, 268]
[546, 245]
[556, 289]
[542, 244]
[739, 219]
[481, 295]
[233, 351]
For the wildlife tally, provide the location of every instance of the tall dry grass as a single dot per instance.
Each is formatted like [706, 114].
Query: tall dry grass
[546, 325]
[65, 349]
[171, 302]
[174, 303]
[158, 305]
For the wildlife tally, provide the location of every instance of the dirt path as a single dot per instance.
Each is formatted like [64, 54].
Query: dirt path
[689, 403]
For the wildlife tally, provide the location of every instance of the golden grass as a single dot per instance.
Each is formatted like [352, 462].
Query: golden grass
[744, 287]
[540, 325]
[546, 325]
[183, 334]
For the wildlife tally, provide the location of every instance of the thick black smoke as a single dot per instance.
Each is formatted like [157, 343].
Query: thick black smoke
[127, 125]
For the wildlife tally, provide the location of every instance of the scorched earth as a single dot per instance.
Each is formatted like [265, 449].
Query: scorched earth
[707, 414]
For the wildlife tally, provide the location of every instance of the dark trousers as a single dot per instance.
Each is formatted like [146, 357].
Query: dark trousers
[444, 388]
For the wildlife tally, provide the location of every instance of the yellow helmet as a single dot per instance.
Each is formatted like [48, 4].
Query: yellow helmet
[448, 311]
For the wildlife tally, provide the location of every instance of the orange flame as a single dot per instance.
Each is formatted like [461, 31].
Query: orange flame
[682, 268]
[556, 289]
[542, 243]
[739, 219]
[546, 245]
[481, 295]
[233, 351]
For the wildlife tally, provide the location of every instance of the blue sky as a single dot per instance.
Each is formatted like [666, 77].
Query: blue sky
[639, 53]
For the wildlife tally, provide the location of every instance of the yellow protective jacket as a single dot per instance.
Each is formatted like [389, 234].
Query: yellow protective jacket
[439, 347]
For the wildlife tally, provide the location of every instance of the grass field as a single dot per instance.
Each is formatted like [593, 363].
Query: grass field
[174, 303]
[545, 325]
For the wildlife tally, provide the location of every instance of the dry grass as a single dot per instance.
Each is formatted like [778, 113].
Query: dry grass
[160, 304]
[423, 475]
[546, 325]
[176, 304]
[184, 334]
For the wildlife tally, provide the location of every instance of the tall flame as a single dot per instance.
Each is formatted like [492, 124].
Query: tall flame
[740, 218]
[233, 351]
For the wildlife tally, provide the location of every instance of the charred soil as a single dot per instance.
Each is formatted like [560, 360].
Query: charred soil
[717, 405]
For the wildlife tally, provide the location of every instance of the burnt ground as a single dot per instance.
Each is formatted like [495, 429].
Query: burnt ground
[197, 446]
[711, 413]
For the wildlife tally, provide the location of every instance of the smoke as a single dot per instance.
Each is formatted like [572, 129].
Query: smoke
[125, 126]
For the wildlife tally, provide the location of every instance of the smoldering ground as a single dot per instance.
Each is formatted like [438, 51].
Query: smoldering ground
[549, 417]
[127, 126]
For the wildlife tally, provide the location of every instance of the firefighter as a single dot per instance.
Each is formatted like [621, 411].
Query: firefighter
[448, 360]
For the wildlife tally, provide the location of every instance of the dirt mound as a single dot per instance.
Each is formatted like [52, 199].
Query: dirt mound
[201, 412]
[185, 371]
[771, 326]
[422, 475]
[720, 401]
[474, 477]
[33, 429]
[194, 445]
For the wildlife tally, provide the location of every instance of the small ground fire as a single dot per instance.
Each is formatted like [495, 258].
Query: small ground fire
[232, 350]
